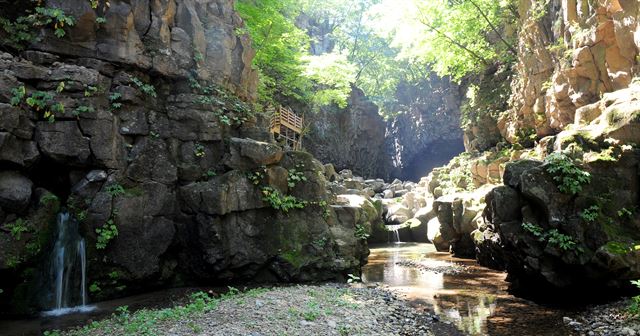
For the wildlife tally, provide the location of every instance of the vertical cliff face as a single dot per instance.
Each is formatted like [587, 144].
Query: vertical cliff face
[561, 222]
[351, 138]
[569, 54]
[426, 132]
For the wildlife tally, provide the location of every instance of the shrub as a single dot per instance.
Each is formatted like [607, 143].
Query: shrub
[296, 176]
[361, 232]
[17, 228]
[105, 234]
[568, 176]
[590, 214]
[281, 202]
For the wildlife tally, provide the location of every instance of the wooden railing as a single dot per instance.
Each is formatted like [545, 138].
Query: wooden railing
[285, 116]
[287, 125]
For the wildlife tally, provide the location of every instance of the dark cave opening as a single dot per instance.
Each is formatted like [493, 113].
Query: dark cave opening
[52, 176]
[434, 155]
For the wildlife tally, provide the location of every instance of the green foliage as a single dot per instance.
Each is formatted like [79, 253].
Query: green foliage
[114, 98]
[17, 228]
[296, 175]
[455, 37]
[280, 47]
[351, 278]
[198, 150]
[320, 243]
[568, 176]
[284, 203]
[82, 109]
[257, 176]
[618, 247]
[18, 94]
[333, 75]
[312, 312]
[535, 230]
[553, 237]
[526, 137]
[41, 101]
[624, 212]
[361, 232]
[49, 198]
[591, 214]
[227, 107]
[94, 288]
[634, 307]
[147, 89]
[90, 91]
[563, 241]
[23, 30]
[105, 234]
[115, 190]
[538, 10]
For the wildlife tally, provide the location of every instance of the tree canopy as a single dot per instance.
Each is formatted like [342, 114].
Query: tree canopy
[312, 51]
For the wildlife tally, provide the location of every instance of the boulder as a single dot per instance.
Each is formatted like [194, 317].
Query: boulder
[247, 154]
[388, 194]
[15, 191]
[221, 195]
[63, 142]
[353, 184]
[330, 173]
[513, 171]
[397, 214]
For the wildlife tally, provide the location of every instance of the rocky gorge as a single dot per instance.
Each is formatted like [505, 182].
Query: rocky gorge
[134, 127]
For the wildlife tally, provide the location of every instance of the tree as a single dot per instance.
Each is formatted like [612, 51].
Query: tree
[456, 37]
[280, 47]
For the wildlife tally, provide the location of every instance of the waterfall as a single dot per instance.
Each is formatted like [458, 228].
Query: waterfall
[68, 269]
[394, 229]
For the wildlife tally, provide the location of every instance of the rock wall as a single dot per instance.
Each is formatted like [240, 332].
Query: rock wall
[426, 132]
[135, 127]
[567, 59]
[351, 138]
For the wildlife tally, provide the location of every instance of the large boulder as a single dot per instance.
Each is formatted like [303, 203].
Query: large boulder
[247, 154]
[15, 191]
[228, 193]
[63, 142]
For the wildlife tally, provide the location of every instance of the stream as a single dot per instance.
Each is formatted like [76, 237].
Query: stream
[459, 291]
[471, 297]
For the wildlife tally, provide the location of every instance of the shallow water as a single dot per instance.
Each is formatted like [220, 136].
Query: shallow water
[472, 297]
[37, 325]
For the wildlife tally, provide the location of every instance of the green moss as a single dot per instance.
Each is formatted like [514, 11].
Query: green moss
[294, 257]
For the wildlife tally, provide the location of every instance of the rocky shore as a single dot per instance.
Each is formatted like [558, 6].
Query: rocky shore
[330, 309]
[613, 319]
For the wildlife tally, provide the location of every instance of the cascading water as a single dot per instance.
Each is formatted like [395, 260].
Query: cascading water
[68, 269]
[394, 229]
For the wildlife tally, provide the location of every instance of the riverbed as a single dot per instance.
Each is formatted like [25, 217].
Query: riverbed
[473, 298]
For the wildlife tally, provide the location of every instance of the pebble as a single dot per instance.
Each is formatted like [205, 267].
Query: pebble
[605, 320]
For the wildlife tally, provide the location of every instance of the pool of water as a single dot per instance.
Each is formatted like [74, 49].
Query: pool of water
[77, 317]
[472, 297]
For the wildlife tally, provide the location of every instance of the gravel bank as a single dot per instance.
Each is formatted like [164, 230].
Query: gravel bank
[606, 320]
[330, 309]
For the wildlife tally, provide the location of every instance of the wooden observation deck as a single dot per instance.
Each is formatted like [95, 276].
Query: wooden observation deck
[286, 126]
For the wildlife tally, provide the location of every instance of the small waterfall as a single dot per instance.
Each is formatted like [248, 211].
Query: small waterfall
[394, 229]
[68, 269]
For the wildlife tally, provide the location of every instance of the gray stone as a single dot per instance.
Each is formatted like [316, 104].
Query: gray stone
[251, 154]
[15, 191]
[63, 142]
[513, 171]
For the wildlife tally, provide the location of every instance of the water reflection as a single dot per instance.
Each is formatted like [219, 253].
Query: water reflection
[473, 298]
